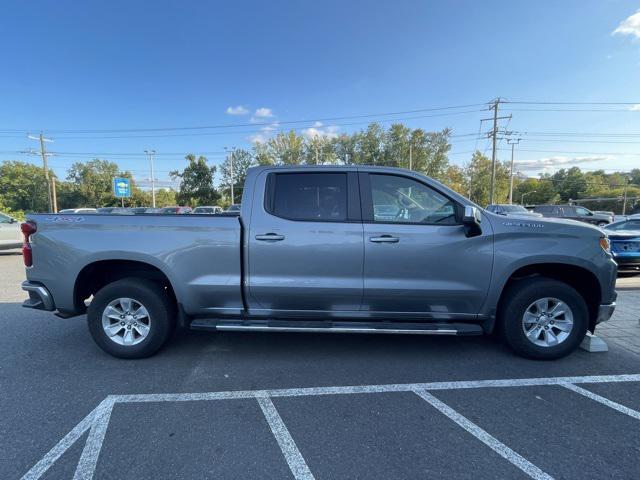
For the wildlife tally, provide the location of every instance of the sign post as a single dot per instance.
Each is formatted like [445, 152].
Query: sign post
[122, 188]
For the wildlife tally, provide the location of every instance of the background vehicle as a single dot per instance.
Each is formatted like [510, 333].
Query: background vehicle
[138, 210]
[78, 210]
[604, 212]
[573, 212]
[175, 210]
[505, 209]
[10, 234]
[201, 210]
[625, 243]
[233, 208]
[311, 251]
[114, 210]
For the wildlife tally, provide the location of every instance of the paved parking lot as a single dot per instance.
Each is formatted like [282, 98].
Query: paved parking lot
[242, 405]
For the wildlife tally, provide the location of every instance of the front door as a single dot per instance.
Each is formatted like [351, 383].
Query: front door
[305, 244]
[418, 260]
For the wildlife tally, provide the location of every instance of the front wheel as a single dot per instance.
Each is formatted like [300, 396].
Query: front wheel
[543, 319]
[131, 318]
[602, 224]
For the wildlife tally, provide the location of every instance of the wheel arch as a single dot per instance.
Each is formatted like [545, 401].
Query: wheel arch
[95, 275]
[581, 279]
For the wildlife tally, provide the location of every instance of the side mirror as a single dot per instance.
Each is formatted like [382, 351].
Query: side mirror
[471, 221]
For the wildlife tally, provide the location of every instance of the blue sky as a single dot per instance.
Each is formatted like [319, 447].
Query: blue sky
[99, 65]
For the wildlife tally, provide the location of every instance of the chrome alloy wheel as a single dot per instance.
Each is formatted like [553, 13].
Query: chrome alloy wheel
[547, 322]
[126, 321]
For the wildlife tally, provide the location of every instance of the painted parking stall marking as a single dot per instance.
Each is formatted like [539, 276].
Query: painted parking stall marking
[97, 421]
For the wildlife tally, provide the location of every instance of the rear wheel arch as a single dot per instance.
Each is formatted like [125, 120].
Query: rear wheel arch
[96, 275]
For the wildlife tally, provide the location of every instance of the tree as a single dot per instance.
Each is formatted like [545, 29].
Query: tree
[165, 197]
[286, 148]
[478, 174]
[196, 183]
[91, 184]
[242, 161]
[570, 184]
[23, 187]
[535, 191]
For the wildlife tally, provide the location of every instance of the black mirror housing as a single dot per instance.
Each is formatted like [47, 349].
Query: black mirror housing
[471, 220]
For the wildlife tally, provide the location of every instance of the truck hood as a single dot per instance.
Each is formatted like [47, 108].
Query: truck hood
[543, 226]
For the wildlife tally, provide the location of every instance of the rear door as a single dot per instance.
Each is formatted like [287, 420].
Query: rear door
[305, 243]
[417, 257]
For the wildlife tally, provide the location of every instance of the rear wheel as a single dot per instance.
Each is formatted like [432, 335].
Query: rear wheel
[131, 318]
[543, 318]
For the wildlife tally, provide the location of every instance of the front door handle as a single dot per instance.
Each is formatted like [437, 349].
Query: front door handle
[270, 237]
[384, 239]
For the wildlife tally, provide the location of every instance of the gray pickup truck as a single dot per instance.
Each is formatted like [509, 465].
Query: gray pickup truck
[325, 249]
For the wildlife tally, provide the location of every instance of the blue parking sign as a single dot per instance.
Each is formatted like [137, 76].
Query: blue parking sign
[121, 187]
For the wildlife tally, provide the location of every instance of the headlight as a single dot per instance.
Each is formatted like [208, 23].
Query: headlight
[605, 244]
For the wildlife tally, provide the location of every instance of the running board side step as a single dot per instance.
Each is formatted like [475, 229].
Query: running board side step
[305, 326]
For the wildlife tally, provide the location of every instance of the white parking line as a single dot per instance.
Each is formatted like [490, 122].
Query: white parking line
[288, 446]
[496, 445]
[605, 401]
[89, 457]
[402, 387]
[97, 417]
[63, 445]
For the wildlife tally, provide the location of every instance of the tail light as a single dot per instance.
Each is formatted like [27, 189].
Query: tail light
[28, 228]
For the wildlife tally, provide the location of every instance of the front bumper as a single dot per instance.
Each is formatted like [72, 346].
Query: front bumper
[605, 312]
[39, 296]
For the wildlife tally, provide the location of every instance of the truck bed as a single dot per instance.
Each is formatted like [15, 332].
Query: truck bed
[199, 254]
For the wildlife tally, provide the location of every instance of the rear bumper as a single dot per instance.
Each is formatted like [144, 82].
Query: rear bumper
[605, 312]
[39, 296]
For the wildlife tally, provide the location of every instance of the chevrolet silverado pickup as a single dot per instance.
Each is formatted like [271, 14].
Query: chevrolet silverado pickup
[325, 249]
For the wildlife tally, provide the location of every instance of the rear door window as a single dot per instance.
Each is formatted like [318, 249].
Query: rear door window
[310, 196]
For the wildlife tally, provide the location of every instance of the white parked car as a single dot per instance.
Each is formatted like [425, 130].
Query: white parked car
[78, 210]
[10, 234]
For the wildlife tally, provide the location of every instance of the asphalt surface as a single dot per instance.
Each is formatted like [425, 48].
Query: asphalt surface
[52, 376]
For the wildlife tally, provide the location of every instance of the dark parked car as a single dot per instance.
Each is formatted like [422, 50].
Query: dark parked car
[114, 211]
[625, 243]
[574, 212]
[517, 210]
[233, 208]
[175, 210]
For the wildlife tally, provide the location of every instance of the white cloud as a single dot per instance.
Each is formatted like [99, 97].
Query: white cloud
[237, 110]
[635, 108]
[320, 131]
[263, 112]
[258, 138]
[270, 128]
[550, 163]
[629, 26]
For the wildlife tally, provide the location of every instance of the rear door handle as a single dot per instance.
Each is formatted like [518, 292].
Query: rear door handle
[270, 237]
[384, 239]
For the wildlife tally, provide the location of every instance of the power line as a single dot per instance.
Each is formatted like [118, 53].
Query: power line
[257, 124]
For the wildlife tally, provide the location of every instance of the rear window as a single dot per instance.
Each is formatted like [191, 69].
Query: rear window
[310, 196]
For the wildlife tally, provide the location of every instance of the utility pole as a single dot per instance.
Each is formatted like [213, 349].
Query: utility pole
[410, 157]
[513, 143]
[231, 172]
[624, 201]
[51, 187]
[494, 135]
[151, 153]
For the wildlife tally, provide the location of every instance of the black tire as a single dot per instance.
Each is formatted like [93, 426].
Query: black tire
[158, 304]
[519, 296]
[602, 224]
